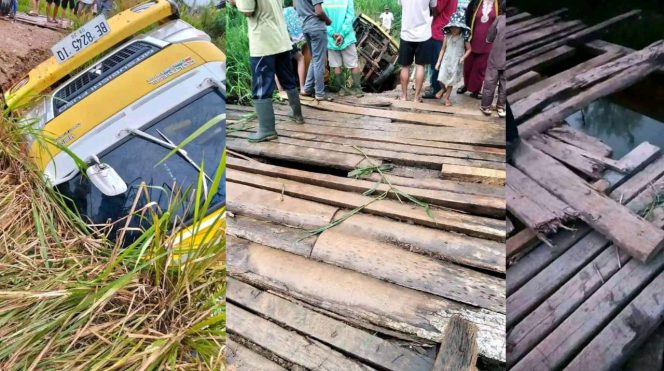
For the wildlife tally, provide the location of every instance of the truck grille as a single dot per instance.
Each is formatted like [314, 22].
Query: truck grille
[100, 74]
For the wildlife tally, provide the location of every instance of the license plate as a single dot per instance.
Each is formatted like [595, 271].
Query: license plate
[80, 39]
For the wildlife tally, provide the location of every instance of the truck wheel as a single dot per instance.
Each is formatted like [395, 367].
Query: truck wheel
[384, 75]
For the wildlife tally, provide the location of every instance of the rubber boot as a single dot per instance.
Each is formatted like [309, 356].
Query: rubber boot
[296, 109]
[265, 113]
[357, 85]
[343, 90]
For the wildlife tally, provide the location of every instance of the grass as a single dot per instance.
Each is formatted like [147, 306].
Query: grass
[71, 299]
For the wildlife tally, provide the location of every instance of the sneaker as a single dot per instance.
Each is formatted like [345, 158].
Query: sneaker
[326, 98]
[501, 111]
[486, 110]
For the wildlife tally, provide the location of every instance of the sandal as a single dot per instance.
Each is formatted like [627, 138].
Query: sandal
[476, 95]
[447, 103]
[462, 90]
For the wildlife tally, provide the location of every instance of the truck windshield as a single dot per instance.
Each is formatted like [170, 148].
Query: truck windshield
[136, 159]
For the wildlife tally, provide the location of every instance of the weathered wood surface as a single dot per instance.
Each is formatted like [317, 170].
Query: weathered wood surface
[573, 39]
[473, 174]
[522, 82]
[635, 158]
[509, 226]
[480, 205]
[442, 185]
[564, 341]
[514, 29]
[534, 205]
[240, 358]
[515, 19]
[390, 263]
[287, 344]
[650, 55]
[446, 246]
[349, 340]
[545, 59]
[520, 243]
[447, 220]
[630, 232]
[458, 350]
[613, 84]
[575, 137]
[278, 208]
[293, 240]
[559, 29]
[516, 95]
[568, 155]
[358, 296]
[650, 356]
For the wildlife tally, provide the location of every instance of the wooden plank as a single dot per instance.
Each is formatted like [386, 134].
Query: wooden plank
[480, 205]
[306, 155]
[456, 110]
[287, 344]
[400, 158]
[545, 40]
[393, 264]
[515, 96]
[645, 174]
[618, 82]
[424, 119]
[534, 205]
[630, 232]
[473, 174]
[581, 326]
[644, 152]
[576, 83]
[518, 18]
[442, 185]
[447, 220]
[524, 26]
[580, 139]
[239, 358]
[361, 297]
[275, 207]
[458, 350]
[566, 154]
[545, 59]
[510, 225]
[446, 246]
[574, 39]
[521, 242]
[521, 83]
[293, 240]
[359, 343]
[650, 356]
[533, 36]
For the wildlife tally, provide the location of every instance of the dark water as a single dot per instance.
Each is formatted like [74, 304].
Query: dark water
[617, 126]
[635, 33]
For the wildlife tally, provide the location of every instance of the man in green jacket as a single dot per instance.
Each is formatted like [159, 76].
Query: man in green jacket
[341, 44]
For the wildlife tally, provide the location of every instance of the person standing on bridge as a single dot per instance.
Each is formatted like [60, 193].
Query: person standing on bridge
[270, 50]
[341, 44]
[314, 25]
[495, 71]
[414, 46]
[443, 13]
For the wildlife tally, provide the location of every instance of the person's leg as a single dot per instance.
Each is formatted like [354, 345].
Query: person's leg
[262, 86]
[419, 81]
[488, 92]
[446, 96]
[310, 81]
[335, 59]
[474, 84]
[35, 8]
[435, 85]
[301, 73]
[405, 71]
[49, 5]
[405, 59]
[502, 94]
[285, 71]
[319, 52]
[422, 58]
[467, 69]
[351, 61]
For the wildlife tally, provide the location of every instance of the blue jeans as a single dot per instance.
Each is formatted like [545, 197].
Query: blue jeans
[315, 81]
[263, 70]
[436, 46]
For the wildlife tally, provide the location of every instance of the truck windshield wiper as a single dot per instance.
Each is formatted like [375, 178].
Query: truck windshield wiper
[167, 143]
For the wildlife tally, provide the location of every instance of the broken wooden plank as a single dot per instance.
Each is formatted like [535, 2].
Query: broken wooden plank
[458, 350]
[447, 246]
[576, 38]
[546, 59]
[240, 358]
[559, 112]
[287, 344]
[359, 343]
[534, 205]
[273, 206]
[632, 183]
[393, 264]
[638, 237]
[473, 174]
[447, 220]
[521, 242]
[580, 139]
[566, 154]
[521, 83]
[649, 55]
[358, 296]
[479, 205]
[644, 152]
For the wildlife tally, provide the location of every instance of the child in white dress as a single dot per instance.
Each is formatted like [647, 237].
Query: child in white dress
[450, 60]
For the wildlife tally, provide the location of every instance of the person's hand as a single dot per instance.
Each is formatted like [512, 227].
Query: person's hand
[461, 60]
[438, 66]
[232, 2]
[338, 39]
[328, 22]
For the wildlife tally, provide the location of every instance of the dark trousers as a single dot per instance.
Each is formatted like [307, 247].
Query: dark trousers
[436, 46]
[263, 70]
[494, 79]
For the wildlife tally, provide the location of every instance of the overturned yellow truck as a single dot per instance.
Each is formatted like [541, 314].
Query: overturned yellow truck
[128, 115]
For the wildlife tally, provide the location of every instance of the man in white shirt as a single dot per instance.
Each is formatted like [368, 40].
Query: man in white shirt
[416, 18]
[386, 19]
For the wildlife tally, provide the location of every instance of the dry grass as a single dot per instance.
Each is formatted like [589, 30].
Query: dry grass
[69, 299]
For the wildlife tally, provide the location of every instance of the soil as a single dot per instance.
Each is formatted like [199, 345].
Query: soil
[22, 48]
